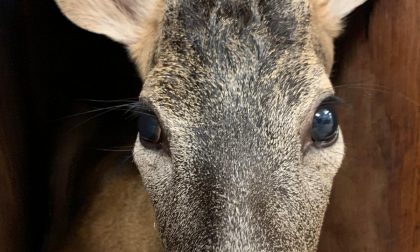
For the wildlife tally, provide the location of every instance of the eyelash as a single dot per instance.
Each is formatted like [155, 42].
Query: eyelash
[332, 100]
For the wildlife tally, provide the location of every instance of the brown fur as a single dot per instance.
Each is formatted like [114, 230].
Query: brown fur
[121, 20]
[142, 50]
[118, 216]
[116, 211]
[140, 33]
[325, 28]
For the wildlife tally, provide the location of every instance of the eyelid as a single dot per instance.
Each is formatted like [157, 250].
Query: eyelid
[324, 99]
[144, 105]
[332, 100]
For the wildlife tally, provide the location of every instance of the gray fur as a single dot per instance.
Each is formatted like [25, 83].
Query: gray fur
[233, 83]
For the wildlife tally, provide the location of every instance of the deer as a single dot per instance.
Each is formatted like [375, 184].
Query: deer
[238, 136]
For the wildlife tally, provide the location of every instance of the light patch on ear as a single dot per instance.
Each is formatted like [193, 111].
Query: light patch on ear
[327, 17]
[135, 23]
[142, 49]
[341, 8]
[121, 20]
[328, 14]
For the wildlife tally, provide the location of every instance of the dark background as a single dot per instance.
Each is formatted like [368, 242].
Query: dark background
[51, 71]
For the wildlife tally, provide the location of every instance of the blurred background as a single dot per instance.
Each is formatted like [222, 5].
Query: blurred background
[64, 128]
[52, 74]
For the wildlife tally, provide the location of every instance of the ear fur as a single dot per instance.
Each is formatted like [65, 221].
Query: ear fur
[135, 23]
[341, 8]
[330, 13]
[121, 20]
[327, 20]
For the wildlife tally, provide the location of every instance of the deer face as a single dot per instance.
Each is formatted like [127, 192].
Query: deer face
[238, 138]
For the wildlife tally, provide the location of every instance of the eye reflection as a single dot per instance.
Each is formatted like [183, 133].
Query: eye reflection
[149, 128]
[324, 126]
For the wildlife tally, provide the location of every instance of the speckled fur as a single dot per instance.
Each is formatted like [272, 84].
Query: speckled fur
[235, 85]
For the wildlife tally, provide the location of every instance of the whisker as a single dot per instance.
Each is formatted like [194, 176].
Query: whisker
[90, 119]
[133, 108]
[113, 150]
[123, 148]
[126, 159]
[380, 89]
[134, 99]
[95, 110]
[129, 105]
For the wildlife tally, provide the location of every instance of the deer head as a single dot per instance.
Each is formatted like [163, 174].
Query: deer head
[238, 137]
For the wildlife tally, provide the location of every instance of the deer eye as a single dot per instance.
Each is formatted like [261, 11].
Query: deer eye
[325, 125]
[149, 129]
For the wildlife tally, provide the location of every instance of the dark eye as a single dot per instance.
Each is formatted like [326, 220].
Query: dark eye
[325, 125]
[149, 128]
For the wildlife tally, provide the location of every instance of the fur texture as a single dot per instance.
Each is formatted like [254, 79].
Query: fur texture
[234, 85]
[119, 216]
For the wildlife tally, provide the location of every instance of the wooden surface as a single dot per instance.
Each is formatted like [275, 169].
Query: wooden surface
[375, 205]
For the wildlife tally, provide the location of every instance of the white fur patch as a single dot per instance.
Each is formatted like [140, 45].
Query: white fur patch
[121, 20]
[341, 8]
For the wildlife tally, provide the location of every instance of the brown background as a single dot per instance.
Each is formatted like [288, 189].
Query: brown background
[48, 68]
[376, 198]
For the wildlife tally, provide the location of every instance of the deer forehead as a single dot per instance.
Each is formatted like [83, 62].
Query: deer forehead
[216, 28]
[210, 53]
[138, 23]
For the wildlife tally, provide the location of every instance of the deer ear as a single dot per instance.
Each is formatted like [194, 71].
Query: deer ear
[121, 20]
[327, 17]
[328, 14]
[341, 8]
